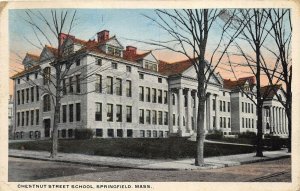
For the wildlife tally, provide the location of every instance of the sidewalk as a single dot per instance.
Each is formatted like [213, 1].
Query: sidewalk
[183, 164]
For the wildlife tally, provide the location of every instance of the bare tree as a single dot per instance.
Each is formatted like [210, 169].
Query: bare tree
[258, 29]
[55, 31]
[281, 33]
[189, 31]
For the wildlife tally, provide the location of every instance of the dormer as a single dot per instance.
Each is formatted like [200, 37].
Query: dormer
[30, 60]
[109, 45]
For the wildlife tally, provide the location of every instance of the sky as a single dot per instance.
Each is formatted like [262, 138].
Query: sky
[126, 24]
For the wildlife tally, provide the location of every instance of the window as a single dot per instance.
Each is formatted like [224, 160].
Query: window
[128, 88]
[173, 99]
[31, 117]
[119, 87]
[70, 133]
[37, 93]
[161, 134]
[98, 85]
[36, 75]
[37, 116]
[214, 105]
[98, 113]
[148, 117]
[114, 65]
[252, 123]
[23, 94]
[142, 133]
[242, 106]
[224, 106]
[99, 62]
[246, 110]
[18, 81]
[251, 108]
[27, 95]
[221, 122]
[109, 112]
[78, 112]
[154, 122]
[129, 114]
[214, 121]
[18, 97]
[174, 119]
[148, 133]
[31, 134]
[153, 95]
[27, 77]
[141, 116]
[228, 106]
[159, 96]
[71, 107]
[109, 85]
[141, 76]
[71, 84]
[110, 132]
[23, 118]
[248, 107]
[99, 132]
[160, 118]
[148, 95]
[27, 118]
[64, 108]
[165, 118]
[128, 68]
[224, 93]
[78, 62]
[32, 94]
[46, 75]
[165, 97]
[141, 94]
[78, 83]
[221, 105]
[63, 133]
[243, 123]
[119, 132]
[224, 120]
[159, 80]
[229, 124]
[119, 113]
[18, 118]
[129, 133]
[154, 134]
[47, 103]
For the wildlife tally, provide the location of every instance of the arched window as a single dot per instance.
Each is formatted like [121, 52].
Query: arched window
[46, 74]
[47, 103]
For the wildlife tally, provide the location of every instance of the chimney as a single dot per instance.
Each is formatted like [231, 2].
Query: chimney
[130, 52]
[63, 37]
[103, 35]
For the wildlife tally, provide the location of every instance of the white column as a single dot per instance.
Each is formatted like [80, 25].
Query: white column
[208, 111]
[280, 120]
[180, 110]
[217, 112]
[277, 121]
[188, 111]
[195, 111]
[170, 110]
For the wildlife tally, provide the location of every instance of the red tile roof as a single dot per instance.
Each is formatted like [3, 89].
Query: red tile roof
[228, 84]
[168, 69]
[26, 71]
[134, 57]
[270, 90]
[33, 57]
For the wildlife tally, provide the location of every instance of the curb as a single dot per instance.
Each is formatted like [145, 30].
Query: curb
[211, 166]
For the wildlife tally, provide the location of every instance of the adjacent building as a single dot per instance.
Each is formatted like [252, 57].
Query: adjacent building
[119, 92]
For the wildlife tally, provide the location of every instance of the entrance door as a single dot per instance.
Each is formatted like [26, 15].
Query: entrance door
[47, 127]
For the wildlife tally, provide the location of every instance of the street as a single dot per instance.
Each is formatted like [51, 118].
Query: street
[34, 170]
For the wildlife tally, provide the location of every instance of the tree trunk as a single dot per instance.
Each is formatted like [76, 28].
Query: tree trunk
[54, 149]
[259, 143]
[199, 159]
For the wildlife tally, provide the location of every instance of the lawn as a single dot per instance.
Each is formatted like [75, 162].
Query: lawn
[170, 148]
